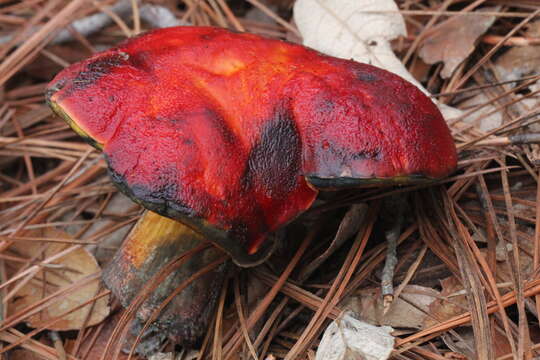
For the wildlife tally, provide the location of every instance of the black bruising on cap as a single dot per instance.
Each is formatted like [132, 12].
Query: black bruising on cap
[160, 201]
[367, 155]
[274, 162]
[365, 76]
[184, 214]
[53, 89]
[98, 68]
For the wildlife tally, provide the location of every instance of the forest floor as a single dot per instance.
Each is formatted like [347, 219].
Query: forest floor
[467, 279]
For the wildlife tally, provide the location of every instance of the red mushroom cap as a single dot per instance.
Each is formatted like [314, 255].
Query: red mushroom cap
[233, 133]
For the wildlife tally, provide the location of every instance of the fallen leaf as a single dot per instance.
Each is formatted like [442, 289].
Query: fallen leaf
[351, 29]
[454, 40]
[360, 30]
[490, 122]
[409, 310]
[526, 249]
[63, 273]
[519, 61]
[348, 338]
[465, 344]
[462, 345]
[452, 302]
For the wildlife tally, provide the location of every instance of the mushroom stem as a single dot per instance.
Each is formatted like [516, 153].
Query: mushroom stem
[152, 243]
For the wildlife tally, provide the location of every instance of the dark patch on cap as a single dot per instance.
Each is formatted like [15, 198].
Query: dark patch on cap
[53, 89]
[161, 201]
[98, 68]
[367, 155]
[174, 209]
[274, 162]
[365, 76]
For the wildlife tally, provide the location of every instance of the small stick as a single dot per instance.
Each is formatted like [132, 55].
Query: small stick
[513, 40]
[533, 138]
[392, 236]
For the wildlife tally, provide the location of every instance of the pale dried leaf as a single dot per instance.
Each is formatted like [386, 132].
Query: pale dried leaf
[488, 123]
[160, 16]
[520, 60]
[533, 102]
[65, 272]
[454, 40]
[349, 338]
[343, 29]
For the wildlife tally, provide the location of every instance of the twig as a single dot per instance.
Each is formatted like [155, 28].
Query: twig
[392, 235]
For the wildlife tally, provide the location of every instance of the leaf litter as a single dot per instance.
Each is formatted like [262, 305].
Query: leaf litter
[466, 280]
[59, 275]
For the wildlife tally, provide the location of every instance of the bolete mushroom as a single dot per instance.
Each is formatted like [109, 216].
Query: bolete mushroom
[234, 134]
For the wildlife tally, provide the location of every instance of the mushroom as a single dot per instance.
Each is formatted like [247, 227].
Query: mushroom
[234, 135]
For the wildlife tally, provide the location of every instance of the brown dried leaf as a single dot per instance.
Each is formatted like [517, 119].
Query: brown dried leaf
[525, 260]
[453, 302]
[453, 40]
[466, 342]
[66, 271]
[407, 311]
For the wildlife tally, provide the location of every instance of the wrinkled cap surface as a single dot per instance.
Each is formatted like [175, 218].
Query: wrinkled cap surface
[233, 134]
